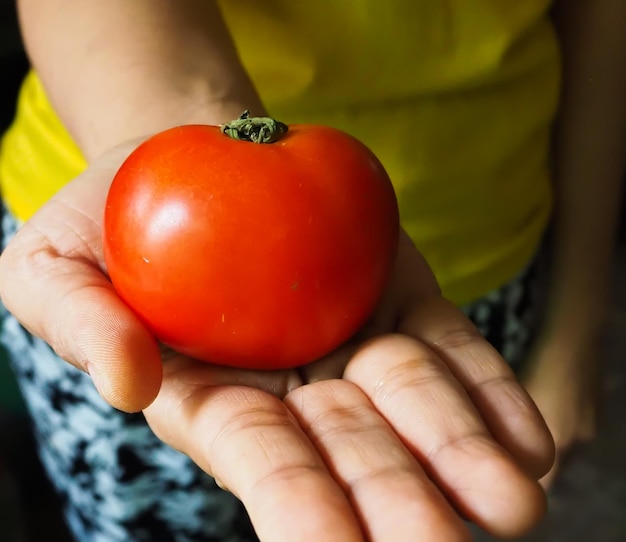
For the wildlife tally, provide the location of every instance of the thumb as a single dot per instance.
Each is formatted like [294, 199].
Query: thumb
[51, 280]
[72, 306]
[100, 335]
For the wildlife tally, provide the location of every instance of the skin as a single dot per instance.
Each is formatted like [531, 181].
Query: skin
[589, 165]
[427, 425]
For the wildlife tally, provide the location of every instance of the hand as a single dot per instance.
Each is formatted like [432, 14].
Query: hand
[563, 378]
[427, 426]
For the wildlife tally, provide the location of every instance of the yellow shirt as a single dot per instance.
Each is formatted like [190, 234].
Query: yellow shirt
[456, 98]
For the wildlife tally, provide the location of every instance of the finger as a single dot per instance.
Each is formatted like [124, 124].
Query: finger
[548, 480]
[331, 366]
[51, 280]
[427, 407]
[251, 443]
[507, 409]
[391, 494]
[187, 370]
[72, 307]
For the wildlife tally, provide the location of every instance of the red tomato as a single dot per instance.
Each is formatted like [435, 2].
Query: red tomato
[253, 255]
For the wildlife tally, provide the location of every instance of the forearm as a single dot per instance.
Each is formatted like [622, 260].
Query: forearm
[120, 69]
[589, 160]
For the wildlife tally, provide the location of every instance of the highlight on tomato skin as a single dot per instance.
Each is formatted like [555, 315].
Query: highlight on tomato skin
[251, 246]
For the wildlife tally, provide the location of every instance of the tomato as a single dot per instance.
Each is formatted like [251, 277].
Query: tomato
[252, 255]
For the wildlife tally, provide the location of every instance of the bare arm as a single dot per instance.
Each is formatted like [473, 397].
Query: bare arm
[589, 161]
[116, 70]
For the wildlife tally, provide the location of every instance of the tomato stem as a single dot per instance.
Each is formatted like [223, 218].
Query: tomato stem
[254, 129]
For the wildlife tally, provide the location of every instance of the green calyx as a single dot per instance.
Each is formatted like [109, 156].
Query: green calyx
[254, 129]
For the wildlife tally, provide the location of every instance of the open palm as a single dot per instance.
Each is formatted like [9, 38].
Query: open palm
[400, 434]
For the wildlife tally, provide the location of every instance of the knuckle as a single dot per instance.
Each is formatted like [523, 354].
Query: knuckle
[456, 338]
